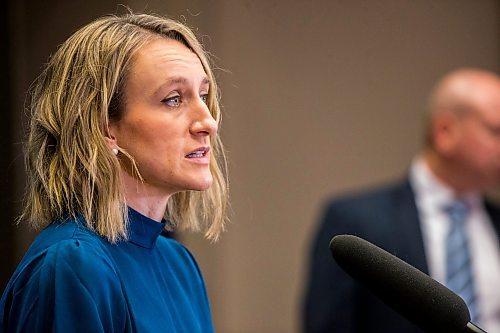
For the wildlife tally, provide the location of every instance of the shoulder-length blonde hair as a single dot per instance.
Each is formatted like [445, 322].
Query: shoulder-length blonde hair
[70, 168]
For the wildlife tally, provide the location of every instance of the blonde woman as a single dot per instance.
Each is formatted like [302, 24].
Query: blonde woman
[123, 146]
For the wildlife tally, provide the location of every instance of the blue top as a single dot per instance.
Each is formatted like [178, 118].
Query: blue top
[72, 280]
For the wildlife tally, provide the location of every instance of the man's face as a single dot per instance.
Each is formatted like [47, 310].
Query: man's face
[476, 149]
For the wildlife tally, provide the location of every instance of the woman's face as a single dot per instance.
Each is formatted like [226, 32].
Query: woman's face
[166, 125]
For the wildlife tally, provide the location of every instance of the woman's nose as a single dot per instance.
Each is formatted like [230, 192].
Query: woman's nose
[204, 123]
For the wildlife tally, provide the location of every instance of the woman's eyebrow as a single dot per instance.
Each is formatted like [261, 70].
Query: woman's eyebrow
[182, 80]
[179, 80]
[176, 80]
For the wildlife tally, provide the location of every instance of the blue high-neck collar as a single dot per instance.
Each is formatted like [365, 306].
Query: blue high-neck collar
[142, 230]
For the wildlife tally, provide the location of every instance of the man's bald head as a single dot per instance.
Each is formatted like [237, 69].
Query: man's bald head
[463, 147]
[464, 89]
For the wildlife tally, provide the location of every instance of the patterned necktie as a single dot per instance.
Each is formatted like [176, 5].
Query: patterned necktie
[459, 277]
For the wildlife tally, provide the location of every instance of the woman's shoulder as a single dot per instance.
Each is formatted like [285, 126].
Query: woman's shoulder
[179, 255]
[66, 270]
[169, 244]
[66, 248]
[64, 237]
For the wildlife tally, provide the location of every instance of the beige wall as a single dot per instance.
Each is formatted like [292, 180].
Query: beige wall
[319, 97]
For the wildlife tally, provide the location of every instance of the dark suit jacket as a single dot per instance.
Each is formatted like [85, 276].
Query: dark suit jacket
[387, 217]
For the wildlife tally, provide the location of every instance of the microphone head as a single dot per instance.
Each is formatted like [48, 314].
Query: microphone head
[415, 295]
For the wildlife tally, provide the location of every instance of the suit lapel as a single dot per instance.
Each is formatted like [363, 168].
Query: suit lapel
[408, 227]
[494, 213]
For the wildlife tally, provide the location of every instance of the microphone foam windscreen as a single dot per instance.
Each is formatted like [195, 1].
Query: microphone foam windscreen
[416, 296]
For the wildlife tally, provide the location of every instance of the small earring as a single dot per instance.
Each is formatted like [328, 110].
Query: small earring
[115, 151]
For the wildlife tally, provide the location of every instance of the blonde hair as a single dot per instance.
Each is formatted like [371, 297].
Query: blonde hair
[70, 168]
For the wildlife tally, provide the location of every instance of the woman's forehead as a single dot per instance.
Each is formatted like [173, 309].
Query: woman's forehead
[165, 50]
[163, 65]
[164, 56]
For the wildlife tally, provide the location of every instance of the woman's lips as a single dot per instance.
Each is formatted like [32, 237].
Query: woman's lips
[199, 155]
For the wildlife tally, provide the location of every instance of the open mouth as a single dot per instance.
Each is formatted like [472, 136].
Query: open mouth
[200, 152]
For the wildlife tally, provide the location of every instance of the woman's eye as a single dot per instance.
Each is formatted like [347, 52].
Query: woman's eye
[204, 98]
[172, 101]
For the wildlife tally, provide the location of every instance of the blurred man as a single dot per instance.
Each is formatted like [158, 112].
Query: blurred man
[436, 219]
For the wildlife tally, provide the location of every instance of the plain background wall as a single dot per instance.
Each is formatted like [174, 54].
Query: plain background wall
[320, 97]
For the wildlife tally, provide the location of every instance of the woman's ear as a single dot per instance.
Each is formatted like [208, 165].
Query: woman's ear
[111, 139]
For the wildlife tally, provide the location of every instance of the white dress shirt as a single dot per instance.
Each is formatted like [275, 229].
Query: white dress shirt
[431, 196]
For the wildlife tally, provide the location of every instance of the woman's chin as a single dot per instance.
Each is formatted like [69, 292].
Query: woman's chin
[202, 184]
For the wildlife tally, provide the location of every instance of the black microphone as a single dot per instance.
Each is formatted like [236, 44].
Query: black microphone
[413, 294]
